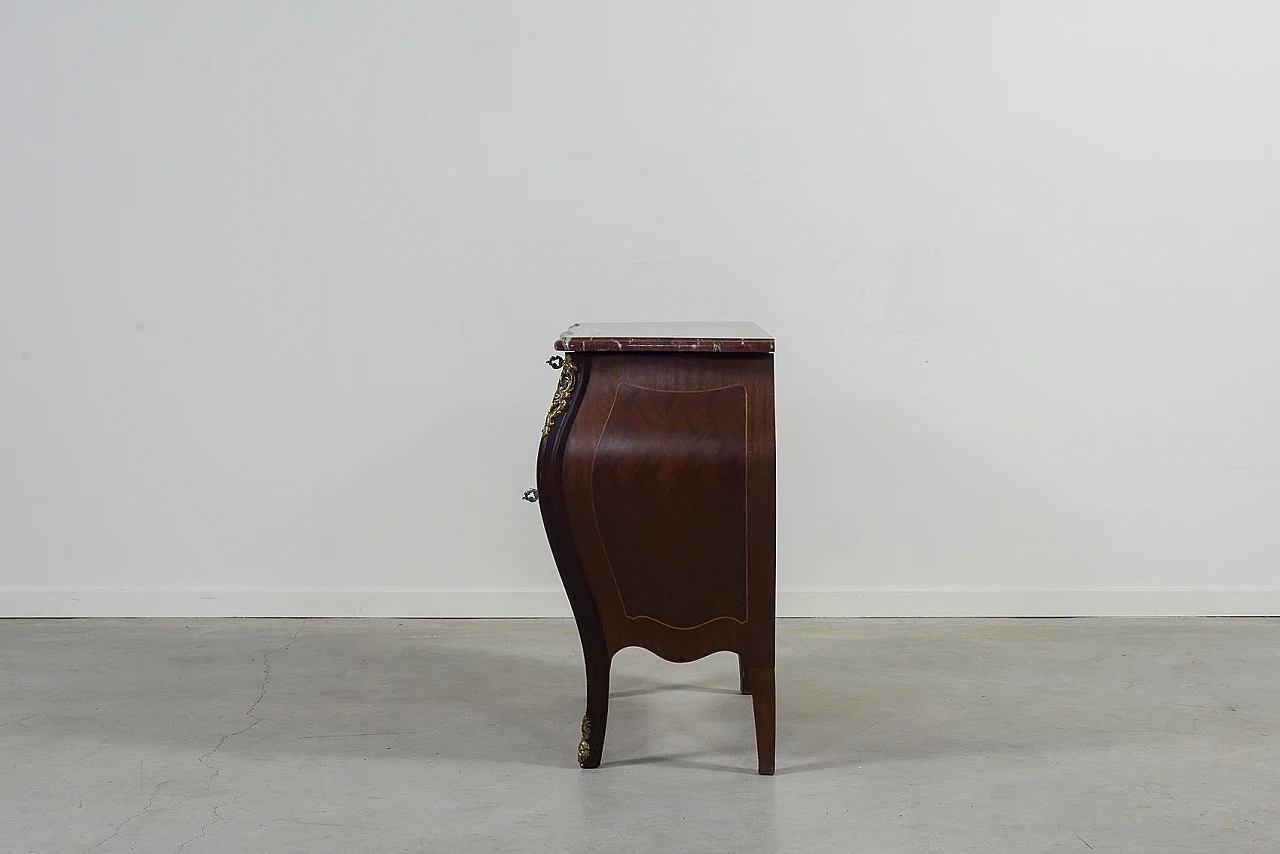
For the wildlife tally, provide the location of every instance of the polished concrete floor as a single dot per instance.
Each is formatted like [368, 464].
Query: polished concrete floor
[425, 736]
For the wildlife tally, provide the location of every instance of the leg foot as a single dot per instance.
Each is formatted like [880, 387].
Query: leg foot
[762, 702]
[591, 747]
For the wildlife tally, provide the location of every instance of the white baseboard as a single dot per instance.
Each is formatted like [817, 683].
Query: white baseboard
[971, 602]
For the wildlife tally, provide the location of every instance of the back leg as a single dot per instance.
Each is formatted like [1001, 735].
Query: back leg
[762, 701]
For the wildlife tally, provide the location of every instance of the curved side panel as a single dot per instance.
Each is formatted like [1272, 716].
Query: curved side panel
[669, 491]
[664, 479]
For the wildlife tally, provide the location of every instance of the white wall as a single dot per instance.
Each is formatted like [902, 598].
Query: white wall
[277, 281]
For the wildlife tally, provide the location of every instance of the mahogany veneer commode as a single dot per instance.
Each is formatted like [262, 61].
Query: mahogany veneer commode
[656, 484]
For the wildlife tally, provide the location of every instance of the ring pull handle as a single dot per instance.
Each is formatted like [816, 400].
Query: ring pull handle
[556, 362]
[530, 495]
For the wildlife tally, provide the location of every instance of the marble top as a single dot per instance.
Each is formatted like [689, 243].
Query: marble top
[675, 336]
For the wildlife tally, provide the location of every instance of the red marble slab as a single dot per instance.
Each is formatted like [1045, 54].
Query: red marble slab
[673, 337]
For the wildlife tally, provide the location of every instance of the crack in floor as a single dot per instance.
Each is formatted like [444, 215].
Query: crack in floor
[255, 720]
[122, 825]
[217, 818]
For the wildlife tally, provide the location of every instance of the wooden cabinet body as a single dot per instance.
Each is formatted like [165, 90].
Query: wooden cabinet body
[656, 482]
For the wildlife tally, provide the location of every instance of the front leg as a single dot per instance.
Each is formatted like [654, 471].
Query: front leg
[551, 496]
[591, 747]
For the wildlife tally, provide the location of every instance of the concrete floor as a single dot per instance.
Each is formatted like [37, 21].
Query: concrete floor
[425, 736]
